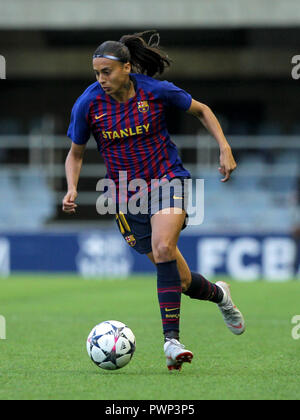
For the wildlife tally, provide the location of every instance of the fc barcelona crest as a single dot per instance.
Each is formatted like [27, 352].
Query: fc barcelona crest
[143, 106]
[130, 240]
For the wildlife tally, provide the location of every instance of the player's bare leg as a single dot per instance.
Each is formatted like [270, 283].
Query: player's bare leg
[166, 227]
[183, 268]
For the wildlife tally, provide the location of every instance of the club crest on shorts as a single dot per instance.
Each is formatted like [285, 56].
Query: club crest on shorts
[130, 240]
[143, 106]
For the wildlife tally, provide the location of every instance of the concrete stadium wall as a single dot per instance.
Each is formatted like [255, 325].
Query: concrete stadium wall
[68, 14]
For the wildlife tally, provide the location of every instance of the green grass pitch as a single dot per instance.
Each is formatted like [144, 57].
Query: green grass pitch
[48, 319]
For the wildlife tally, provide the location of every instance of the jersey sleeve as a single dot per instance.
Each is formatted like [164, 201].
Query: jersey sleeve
[176, 97]
[79, 130]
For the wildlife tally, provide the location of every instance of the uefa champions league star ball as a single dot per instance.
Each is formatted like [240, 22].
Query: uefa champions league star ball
[111, 345]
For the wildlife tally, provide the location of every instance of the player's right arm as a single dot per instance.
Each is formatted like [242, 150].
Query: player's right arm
[73, 167]
[79, 133]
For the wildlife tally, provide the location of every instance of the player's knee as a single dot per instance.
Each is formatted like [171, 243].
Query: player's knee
[164, 251]
[185, 281]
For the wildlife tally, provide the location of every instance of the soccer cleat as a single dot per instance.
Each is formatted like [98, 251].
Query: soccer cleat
[232, 316]
[176, 354]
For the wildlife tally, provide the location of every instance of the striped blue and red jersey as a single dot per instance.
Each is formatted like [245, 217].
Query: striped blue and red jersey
[132, 136]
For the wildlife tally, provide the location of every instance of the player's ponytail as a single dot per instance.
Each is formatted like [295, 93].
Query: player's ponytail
[145, 56]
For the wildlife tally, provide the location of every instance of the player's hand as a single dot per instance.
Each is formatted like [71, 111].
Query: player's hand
[69, 205]
[227, 163]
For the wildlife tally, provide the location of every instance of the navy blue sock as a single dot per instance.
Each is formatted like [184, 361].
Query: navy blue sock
[203, 289]
[169, 296]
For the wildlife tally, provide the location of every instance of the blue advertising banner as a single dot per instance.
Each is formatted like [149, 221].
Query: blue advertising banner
[105, 253]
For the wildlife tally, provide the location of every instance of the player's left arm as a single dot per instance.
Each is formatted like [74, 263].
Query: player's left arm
[211, 123]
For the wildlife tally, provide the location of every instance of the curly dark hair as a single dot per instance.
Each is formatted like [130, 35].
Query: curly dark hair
[146, 57]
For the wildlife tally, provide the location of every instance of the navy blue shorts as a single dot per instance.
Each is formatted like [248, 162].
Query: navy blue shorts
[136, 228]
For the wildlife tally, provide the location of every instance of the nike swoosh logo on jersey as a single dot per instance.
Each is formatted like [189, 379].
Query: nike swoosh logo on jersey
[100, 116]
[171, 309]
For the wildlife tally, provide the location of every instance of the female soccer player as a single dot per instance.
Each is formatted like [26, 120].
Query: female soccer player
[125, 111]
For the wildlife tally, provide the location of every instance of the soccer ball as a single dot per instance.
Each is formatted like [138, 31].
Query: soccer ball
[111, 345]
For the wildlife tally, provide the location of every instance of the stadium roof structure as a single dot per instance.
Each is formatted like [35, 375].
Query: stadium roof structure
[76, 14]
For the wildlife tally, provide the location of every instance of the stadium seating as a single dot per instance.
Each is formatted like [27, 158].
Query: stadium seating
[28, 200]
[260, 195]
[254, 199]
